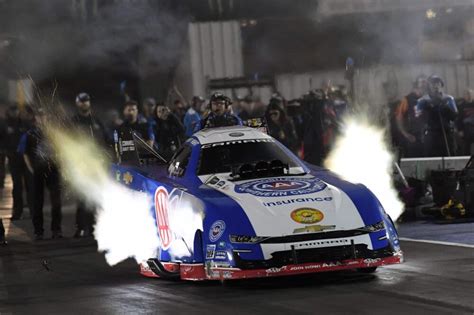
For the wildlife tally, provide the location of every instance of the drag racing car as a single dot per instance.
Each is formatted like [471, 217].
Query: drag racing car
[234, 203]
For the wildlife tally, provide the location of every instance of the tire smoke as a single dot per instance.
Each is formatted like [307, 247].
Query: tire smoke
[124, 226]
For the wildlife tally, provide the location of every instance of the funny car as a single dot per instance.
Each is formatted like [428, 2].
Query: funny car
[235, 203]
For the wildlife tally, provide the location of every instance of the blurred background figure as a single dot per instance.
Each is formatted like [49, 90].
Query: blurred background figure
[294, 112]
[3, 241]
[39, 159]
[149, 108]
[192, 117]
[438, 111]
[93, 128]
[408, 126]
[179, 109]
[465, 123]
[131, 123]
[219, 115]
[280, 126]
[3, 156]
[313, 105]
[14, 129]
[112, 122]
[168, 131]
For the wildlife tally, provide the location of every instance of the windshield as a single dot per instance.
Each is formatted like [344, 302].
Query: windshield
[220, 157]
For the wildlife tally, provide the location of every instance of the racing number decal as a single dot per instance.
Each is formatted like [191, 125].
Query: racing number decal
[162, 217]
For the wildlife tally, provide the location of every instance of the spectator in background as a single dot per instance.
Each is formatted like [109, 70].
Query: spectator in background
[179, 109]
[337, 100]
[39, 160]
[3, 156]
[465, 123]
[407, 125]
[168, 130]
[14, 129]
[112, 122]
[295, 113]
[131, 123]
[219, 115]
[95, 131]
[192, 117]
[280, 127]
[86, 122]
[149, 108]
[245, 108]
[313, 105]
[2, 234]
[438, 110]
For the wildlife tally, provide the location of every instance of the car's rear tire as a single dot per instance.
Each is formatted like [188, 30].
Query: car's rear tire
[367, 270]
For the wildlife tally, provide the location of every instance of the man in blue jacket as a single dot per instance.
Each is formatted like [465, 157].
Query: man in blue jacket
[192, 117]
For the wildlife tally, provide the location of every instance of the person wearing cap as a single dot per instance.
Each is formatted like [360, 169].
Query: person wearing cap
[192, 117]
[93, 128]
[219, 115]
[39, 159]
[438, 111]
[406, 122]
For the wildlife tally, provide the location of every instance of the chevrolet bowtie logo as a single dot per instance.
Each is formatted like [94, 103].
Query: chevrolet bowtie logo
[314, 228]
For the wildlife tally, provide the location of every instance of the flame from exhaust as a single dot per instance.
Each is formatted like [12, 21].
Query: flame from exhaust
[361, 155]
[125, 227]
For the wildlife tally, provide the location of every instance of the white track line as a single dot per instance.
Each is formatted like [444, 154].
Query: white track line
[436, 242]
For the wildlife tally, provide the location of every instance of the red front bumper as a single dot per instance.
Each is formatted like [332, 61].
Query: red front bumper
[197, 272]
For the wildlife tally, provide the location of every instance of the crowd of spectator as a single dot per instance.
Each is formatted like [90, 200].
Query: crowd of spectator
[426, 122]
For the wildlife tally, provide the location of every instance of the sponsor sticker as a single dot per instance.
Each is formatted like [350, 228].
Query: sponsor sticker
[295, 200]
[127, 178]
[225, 143]
[213, 180]
[162, 217]
[304, 268]
[221, 244]
[281, 186]
[369, 261]
[216, 230]
[236, 134]
[276, 269]
[221, 254]
[314, 228]
[118, 175]
[210, 251]
[307, 215]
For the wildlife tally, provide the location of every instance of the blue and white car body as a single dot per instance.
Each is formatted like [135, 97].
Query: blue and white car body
[215, 225]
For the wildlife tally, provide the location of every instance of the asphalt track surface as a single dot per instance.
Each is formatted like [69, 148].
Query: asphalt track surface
[68, 276]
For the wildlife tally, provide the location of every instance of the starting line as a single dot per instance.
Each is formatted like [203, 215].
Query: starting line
[436, 242]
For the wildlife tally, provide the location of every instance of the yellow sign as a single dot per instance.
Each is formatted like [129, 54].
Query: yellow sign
[127, 178]
[307, 215]
[314, 228]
